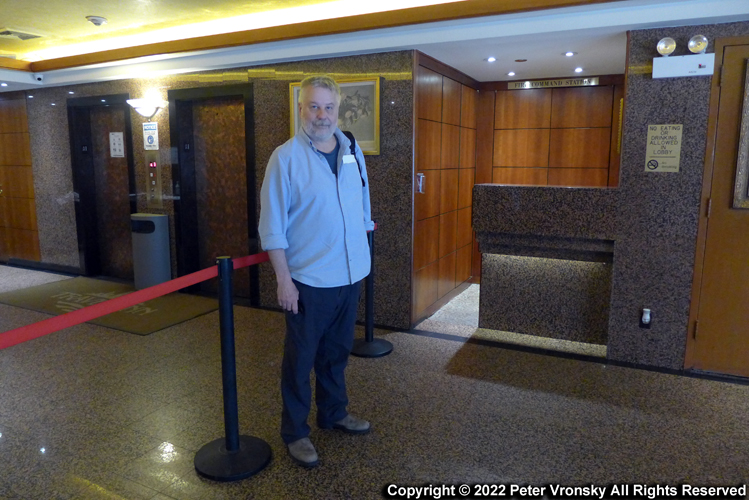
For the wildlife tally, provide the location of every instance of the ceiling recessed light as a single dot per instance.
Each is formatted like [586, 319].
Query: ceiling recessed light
[71, 92]
[103, 100]
[491, 59]
[521, 60]
[3, 84]
[31, 97]
[570, 54]
[53, 104]
[511, 73]
[578, 70]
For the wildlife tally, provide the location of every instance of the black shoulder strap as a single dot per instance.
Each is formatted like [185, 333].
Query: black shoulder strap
[352, 145]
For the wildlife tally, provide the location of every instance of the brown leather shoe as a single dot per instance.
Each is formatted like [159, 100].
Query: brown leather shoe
[303, 452]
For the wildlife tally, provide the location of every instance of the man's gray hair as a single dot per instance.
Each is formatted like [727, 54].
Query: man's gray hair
[322, 81]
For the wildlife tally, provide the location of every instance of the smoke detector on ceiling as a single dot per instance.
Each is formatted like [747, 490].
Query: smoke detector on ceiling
[21, 35]
[97, 20]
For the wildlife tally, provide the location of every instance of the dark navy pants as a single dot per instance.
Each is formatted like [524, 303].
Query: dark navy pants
[320, 336]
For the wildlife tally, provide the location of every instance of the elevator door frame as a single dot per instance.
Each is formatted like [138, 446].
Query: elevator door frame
[84, 181]
[184, 182]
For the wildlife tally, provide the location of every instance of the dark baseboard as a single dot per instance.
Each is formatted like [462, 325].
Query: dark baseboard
[44, 266]
[718, 377]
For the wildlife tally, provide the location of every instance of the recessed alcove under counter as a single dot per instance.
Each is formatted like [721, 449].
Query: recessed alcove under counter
[547, 257]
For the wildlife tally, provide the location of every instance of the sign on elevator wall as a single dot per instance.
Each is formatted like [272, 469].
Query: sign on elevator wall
[150, 136]
[663, 152]
[116, 145]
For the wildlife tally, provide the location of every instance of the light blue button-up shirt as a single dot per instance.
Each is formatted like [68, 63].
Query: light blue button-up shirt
[319, 219]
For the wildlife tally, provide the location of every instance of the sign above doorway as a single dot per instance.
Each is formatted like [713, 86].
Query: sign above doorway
[546, 84]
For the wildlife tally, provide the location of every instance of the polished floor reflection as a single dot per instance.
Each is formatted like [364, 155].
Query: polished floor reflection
[94, 413]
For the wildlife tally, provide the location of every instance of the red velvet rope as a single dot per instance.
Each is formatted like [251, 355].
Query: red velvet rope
[57, 323]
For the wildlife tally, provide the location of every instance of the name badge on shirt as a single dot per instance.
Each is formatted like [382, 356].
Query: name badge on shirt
[349, 159]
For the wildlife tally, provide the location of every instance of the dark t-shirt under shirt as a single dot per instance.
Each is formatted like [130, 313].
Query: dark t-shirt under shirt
[332, 158]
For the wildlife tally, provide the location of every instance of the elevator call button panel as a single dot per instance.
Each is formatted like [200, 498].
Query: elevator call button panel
[153, 180]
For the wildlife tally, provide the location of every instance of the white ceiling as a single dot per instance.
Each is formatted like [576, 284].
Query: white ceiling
[596, 32]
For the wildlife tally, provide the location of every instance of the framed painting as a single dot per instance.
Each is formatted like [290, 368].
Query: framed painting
[359, 112]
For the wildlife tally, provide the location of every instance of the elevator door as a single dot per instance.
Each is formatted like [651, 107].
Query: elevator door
[221, 185]
[211, 131]
[103, 179]
[112, 195]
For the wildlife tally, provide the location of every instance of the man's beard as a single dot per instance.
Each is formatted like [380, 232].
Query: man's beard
[319, 131]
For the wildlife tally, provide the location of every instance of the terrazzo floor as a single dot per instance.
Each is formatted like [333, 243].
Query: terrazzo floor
[94, 413]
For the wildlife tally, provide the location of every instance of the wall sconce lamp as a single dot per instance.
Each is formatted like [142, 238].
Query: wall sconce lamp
[147, 107]
[696, 64]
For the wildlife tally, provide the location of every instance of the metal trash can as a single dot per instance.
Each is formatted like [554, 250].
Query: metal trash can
[151, 261]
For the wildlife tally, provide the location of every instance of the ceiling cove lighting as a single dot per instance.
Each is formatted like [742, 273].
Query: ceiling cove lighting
[246, 22]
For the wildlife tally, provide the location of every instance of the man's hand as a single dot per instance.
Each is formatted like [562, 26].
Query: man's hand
[288, 295]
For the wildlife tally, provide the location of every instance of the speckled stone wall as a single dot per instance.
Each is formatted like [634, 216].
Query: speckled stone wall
[559, 299]
[658, 212]
[652, 218]
[390, 172]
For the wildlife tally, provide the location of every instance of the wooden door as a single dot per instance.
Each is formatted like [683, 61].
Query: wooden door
[19, 237]
[721, 339]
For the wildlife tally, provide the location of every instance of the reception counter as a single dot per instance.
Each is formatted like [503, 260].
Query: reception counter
[547, 259]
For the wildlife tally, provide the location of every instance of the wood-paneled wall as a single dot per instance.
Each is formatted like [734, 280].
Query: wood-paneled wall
[19, 236]
[446, 155]
[557, 137]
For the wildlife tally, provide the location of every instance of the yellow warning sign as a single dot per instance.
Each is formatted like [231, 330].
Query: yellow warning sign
[664, 148]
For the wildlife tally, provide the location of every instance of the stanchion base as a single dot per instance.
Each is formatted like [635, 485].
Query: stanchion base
[374, 349]
[213, 462]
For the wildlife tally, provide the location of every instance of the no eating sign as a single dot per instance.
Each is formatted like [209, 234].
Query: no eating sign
[664, 148]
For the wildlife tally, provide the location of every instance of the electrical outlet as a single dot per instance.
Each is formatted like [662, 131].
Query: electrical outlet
[646, 318]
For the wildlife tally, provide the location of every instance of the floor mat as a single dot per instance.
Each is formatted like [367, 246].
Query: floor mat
[142, 319]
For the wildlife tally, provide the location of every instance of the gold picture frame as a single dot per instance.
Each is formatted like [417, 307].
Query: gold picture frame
[359, 112]
[741, 184]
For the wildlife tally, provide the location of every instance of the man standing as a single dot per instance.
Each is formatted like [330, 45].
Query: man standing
[314, 216]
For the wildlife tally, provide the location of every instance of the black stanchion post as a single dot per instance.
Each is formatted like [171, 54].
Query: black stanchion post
[233, 457]
[370, 347]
